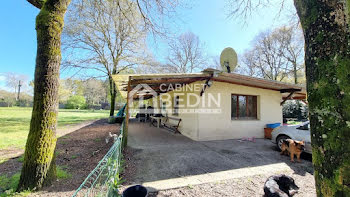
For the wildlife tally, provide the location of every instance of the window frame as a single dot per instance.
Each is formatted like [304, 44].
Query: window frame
[247, 108]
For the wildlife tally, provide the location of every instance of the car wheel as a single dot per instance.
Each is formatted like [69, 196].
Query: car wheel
[280, 139]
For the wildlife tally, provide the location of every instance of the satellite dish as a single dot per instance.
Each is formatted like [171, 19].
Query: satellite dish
[228, 59]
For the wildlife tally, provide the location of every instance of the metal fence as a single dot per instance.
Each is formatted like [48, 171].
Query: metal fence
[104, 179]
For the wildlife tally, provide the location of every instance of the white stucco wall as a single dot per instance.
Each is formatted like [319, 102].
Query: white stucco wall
[189, 121]
[220, 126]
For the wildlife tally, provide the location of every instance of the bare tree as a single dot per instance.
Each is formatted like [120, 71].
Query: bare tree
[247, 64]
[107, 37]
[94, 91]
[274, 55]
[186, 54]
[326, 31]
[293, 40]
[266, 57]
[39, 166]
[215, 62]
[154, 66]
[13, 80]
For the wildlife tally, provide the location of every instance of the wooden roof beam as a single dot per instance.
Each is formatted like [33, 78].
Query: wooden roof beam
[285, 99]
[289, 90]
[167, 80]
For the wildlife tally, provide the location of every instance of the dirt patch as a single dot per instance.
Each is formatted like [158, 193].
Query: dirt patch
[130, 165]
[248, 186]
[77, 152]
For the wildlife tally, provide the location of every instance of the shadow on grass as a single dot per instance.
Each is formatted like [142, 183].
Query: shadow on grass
[77, 153]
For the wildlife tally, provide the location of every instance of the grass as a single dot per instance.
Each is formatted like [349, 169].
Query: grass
[62, 173]
[8, 185]
[14, 123]
[21, 158]
[3, 160]
[294, 122]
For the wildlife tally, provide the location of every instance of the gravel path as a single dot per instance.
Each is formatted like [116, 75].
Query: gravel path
[249, 186]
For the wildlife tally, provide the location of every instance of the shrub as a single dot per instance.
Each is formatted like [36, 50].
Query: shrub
[295, 109]
[76, 102]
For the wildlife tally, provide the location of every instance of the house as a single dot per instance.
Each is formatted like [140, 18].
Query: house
[212, 105]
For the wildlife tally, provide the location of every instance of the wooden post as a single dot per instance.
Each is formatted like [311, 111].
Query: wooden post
[126, 128]
[288, 97]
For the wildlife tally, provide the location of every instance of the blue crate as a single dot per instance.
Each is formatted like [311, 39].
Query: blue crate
[273, 125]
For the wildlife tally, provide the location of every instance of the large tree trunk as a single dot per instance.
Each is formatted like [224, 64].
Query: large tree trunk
[113, 93]
[39, 167]
[295, 72]
[326, 31]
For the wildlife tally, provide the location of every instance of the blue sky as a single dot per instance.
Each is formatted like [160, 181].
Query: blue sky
[209, 20]
[17, 38]
[206, 18]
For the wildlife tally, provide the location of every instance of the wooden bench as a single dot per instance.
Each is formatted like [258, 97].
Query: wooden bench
[172, 125]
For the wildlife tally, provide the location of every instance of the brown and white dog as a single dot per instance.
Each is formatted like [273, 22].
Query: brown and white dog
[292, 147]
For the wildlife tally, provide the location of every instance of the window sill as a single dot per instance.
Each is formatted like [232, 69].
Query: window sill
[234, 119]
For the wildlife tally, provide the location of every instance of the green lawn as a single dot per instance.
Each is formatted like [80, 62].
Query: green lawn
[294, 122]
[14, 123]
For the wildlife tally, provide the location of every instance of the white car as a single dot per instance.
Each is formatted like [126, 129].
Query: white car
[299, 132]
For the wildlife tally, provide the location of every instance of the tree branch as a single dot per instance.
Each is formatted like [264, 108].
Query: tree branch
[36, 3]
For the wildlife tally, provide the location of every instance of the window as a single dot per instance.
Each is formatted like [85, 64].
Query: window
[176, 105]
[243, 107]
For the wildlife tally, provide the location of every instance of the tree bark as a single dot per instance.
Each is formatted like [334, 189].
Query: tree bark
[113, 93]
[39, 167]
[326, 30]
[295, 72]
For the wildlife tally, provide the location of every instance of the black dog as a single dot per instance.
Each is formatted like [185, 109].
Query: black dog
[280, 186]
